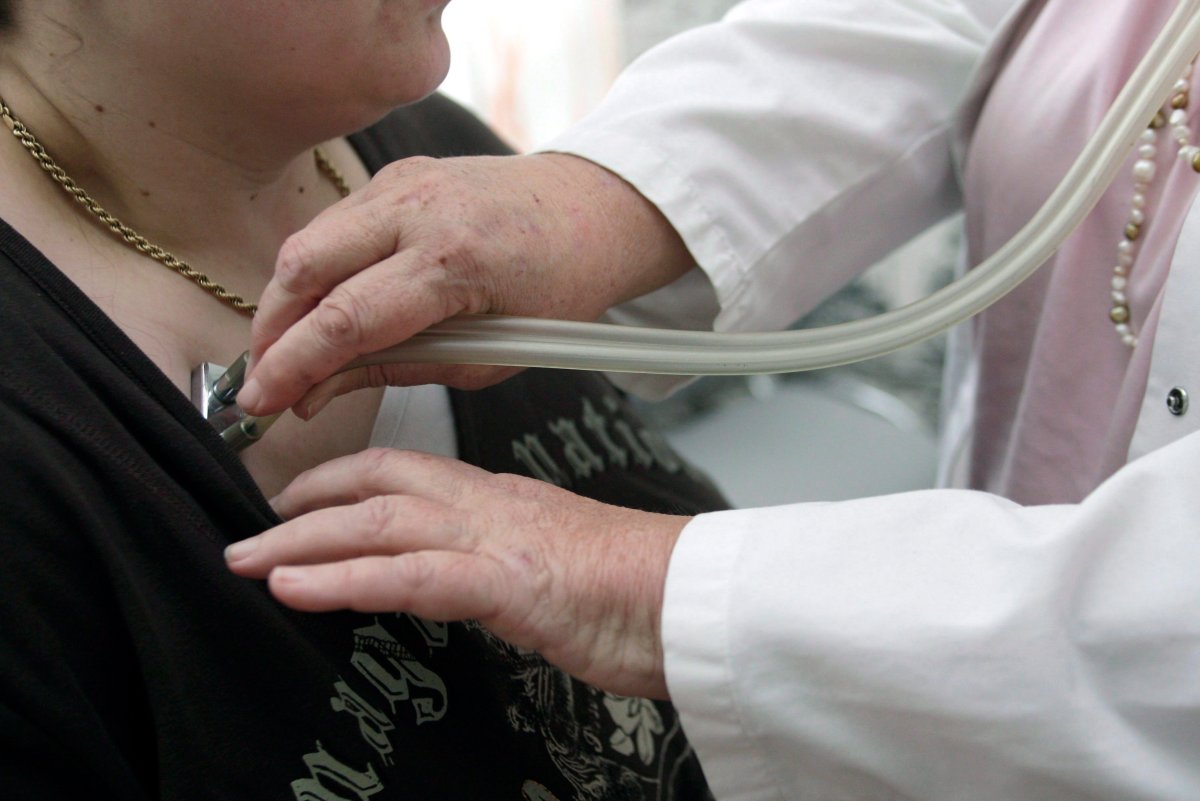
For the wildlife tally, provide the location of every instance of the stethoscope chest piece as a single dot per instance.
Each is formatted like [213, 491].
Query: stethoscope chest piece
[214, 394]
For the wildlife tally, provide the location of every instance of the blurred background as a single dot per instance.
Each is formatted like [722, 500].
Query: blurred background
[531, 68]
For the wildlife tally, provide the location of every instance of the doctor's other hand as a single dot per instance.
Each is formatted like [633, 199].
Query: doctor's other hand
[547, 235]
[578, 581]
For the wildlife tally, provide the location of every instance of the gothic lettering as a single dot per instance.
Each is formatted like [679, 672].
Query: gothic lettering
[663, 454]
[372, 723]
[627, 435]
[596, 423]
[436, 635]
[536, 792]
[583, 460]
[531, 453]
[396, 671]
[324, 770]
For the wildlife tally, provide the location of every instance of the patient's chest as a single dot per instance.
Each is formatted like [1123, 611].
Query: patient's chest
[179, 327]
[174, 322]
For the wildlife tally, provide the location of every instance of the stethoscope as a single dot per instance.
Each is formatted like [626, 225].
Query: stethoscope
[529, 342]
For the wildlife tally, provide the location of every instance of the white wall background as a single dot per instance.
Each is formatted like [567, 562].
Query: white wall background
[532, 67]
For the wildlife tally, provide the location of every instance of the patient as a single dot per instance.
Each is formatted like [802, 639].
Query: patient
[133, 664]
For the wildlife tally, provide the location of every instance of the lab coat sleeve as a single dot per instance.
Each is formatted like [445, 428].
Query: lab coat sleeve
[947, 645]
[791, 145]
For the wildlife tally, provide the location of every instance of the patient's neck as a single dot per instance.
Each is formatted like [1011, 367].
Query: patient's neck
[209, 183]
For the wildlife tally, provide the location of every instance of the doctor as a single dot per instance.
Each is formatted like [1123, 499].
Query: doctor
[1032, 635]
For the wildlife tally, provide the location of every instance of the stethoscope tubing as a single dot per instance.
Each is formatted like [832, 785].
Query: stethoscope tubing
[530, 342]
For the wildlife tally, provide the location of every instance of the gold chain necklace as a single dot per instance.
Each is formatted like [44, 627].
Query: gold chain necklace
[132, 237]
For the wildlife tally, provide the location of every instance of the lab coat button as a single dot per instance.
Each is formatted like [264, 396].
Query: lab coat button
[1177, 401]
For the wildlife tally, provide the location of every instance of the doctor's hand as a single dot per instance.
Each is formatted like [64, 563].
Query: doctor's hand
[547, 235]
[578, 581]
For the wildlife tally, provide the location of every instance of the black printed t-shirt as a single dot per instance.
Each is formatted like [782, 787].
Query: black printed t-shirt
[135, 666]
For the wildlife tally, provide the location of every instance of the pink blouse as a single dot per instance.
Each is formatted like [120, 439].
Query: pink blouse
[1059, 392]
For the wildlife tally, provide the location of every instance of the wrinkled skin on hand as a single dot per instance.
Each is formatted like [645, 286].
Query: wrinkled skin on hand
[578, 581]
[548, 235]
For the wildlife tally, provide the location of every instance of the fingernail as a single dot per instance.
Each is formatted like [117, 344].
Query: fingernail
[316, 406]
[240, 550]
[274, 504]
[289, 575]
[249, 395]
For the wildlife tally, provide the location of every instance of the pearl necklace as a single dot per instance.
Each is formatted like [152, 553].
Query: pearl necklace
[1144, 170]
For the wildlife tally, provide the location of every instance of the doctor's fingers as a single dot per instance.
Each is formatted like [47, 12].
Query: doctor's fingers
[378, 471]
[385, 525]
[446, 211]
[380, 306]
[459, 376]
[339, 242]
[435, 585]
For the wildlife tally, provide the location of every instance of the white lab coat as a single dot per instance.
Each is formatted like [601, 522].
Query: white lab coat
[938, 646]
